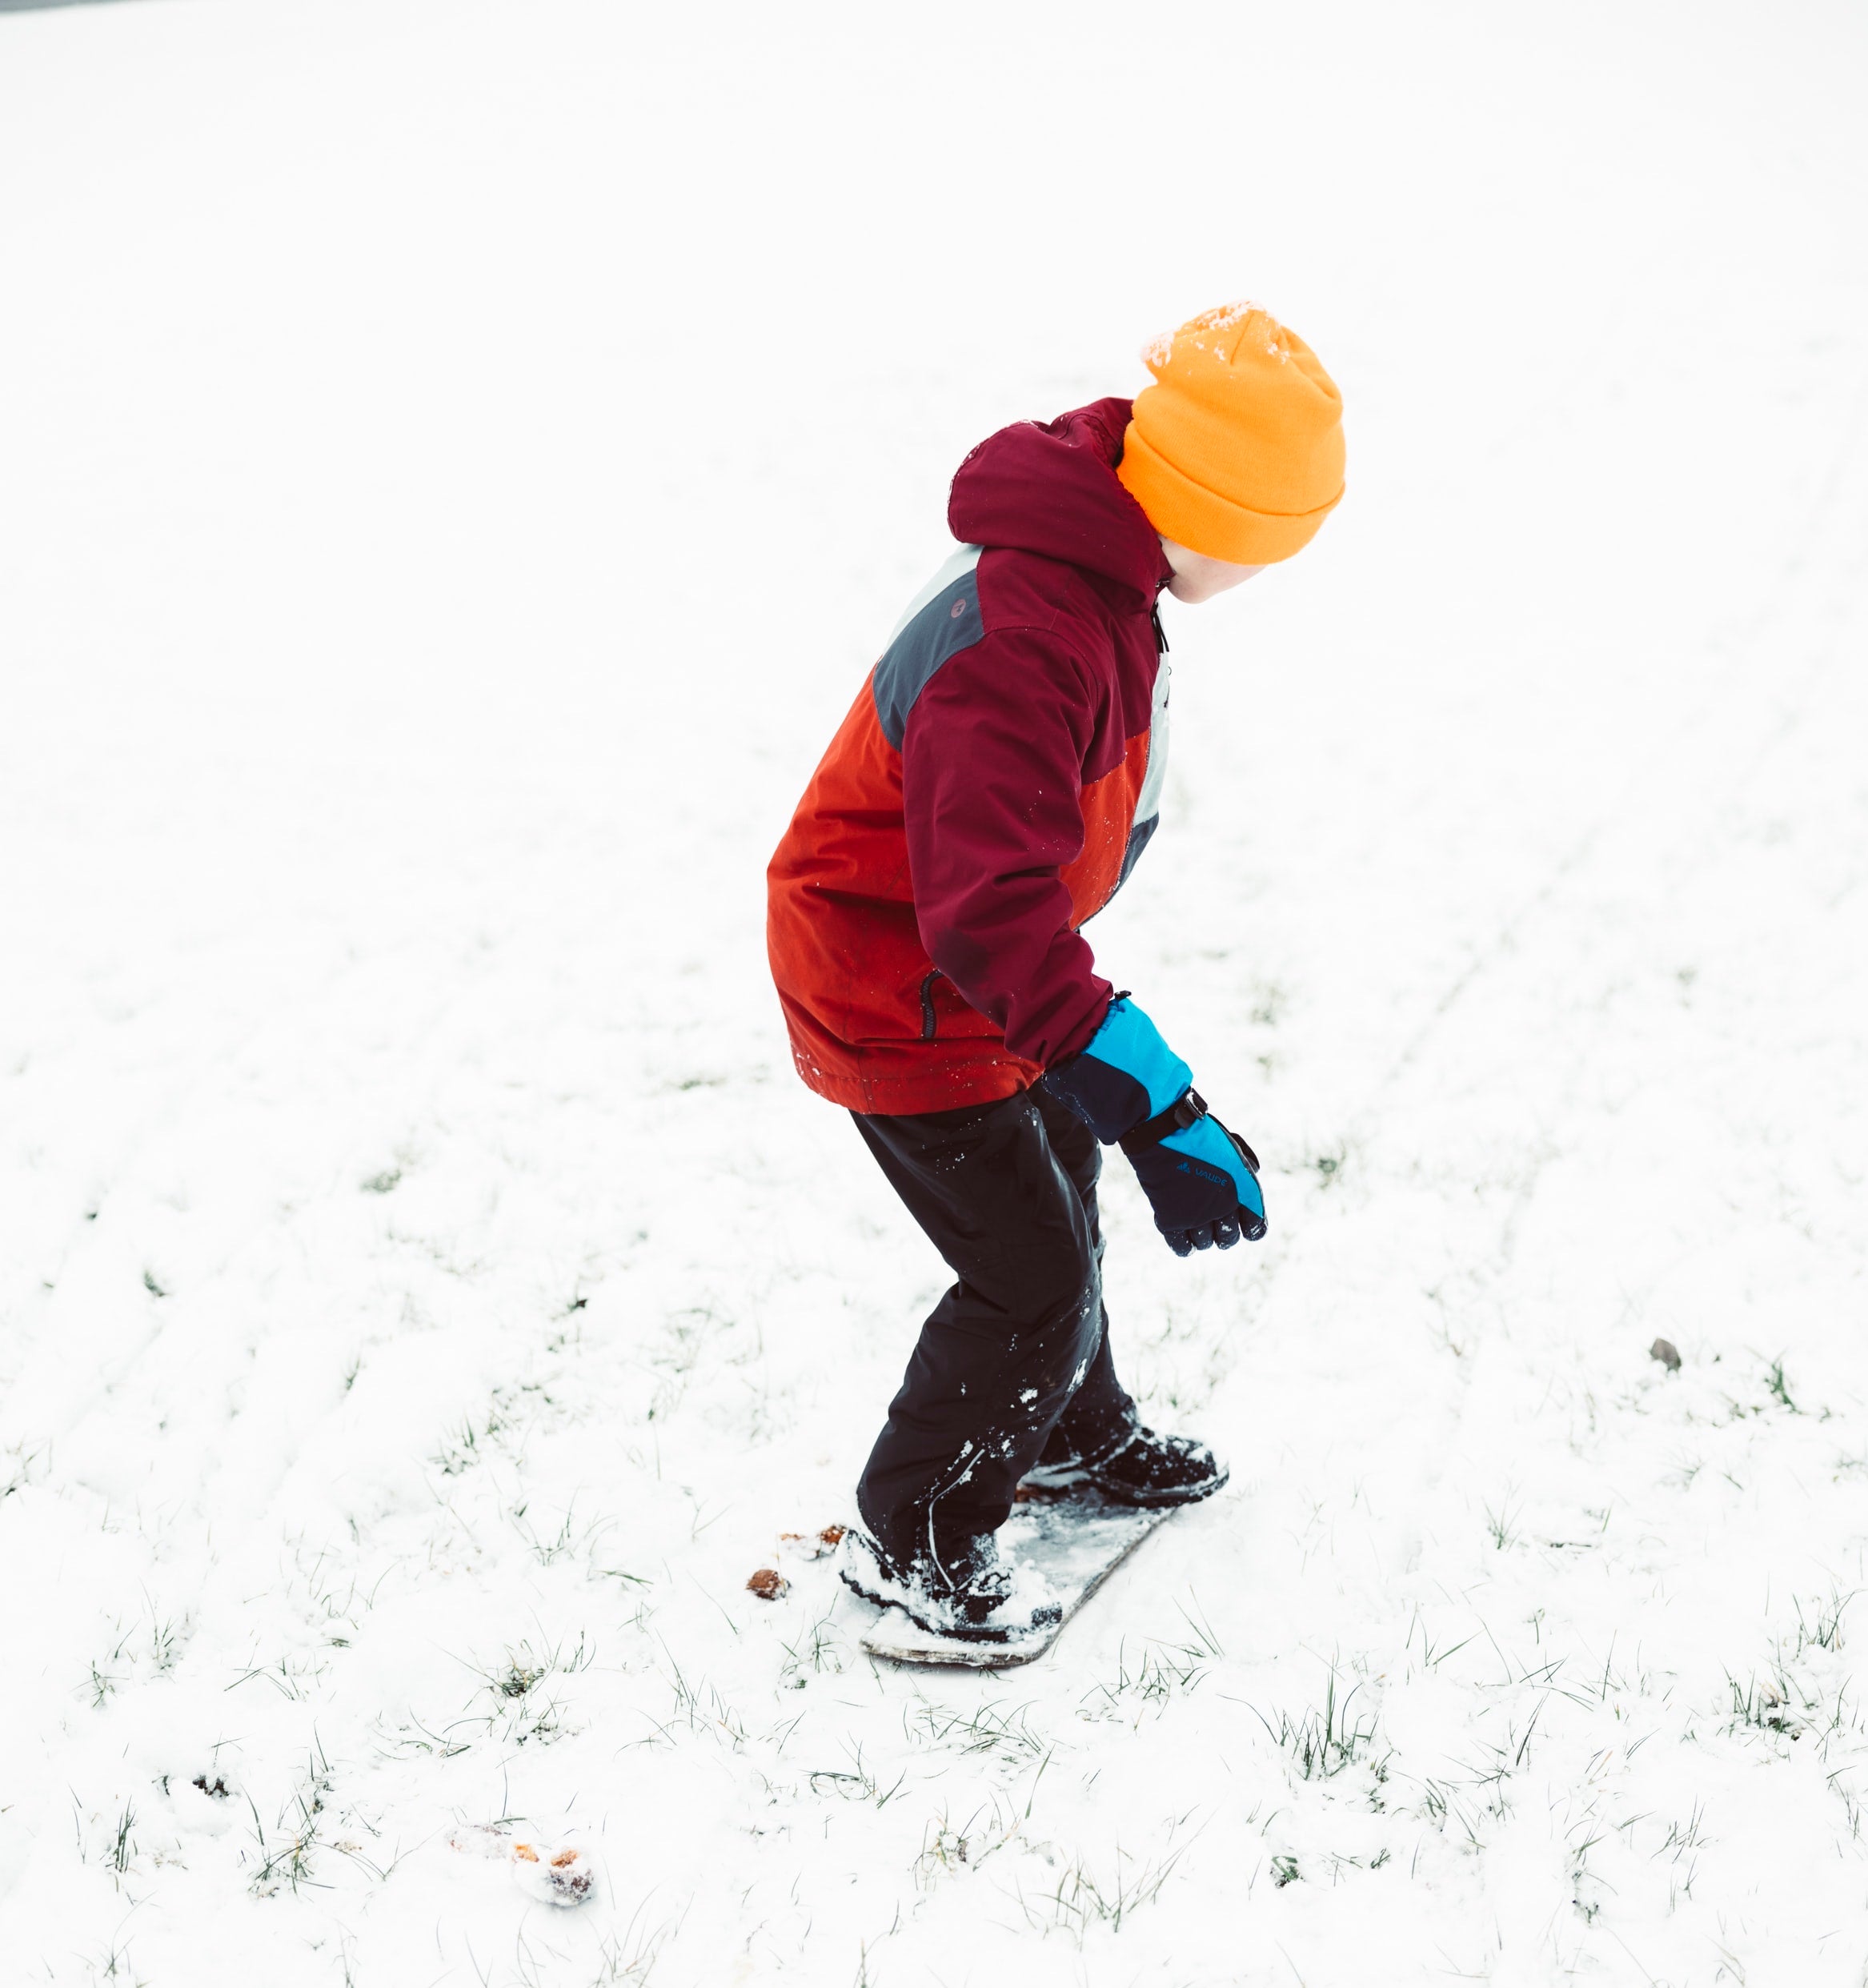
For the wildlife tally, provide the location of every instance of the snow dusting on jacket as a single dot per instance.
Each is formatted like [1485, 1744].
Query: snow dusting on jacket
[991, 786]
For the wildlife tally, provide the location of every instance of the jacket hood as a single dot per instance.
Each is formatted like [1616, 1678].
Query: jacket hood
[1050, 488]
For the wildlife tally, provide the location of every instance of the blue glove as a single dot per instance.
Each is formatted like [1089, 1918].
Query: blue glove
[1127, 1085]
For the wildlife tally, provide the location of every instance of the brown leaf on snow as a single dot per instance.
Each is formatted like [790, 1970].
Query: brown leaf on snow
[812, 1545]
[768, 1584]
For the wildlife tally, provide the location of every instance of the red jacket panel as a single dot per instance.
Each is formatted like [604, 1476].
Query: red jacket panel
[988, 792]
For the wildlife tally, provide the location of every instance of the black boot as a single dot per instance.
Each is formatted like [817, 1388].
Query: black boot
[963, 1591]
[1142, 1469]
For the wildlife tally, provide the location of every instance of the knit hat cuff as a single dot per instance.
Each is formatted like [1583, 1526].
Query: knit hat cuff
[1204, 522]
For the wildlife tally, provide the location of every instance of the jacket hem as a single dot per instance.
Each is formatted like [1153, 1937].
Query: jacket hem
[938, 1089]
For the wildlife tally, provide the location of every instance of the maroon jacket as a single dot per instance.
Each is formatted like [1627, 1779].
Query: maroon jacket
[991, 786]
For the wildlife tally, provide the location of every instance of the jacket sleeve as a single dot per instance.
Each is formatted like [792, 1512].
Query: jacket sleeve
[992, 757]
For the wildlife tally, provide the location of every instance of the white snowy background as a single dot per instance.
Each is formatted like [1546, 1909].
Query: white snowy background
[457, 462]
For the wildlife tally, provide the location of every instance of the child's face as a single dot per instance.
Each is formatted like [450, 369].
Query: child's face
[1197, 577]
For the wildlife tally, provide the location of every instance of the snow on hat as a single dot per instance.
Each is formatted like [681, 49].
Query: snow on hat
[1236, 451]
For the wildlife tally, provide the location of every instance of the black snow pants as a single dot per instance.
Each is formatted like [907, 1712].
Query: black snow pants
[1015, 1356]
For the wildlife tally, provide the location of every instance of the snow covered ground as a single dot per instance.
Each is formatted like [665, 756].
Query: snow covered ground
[457, 462]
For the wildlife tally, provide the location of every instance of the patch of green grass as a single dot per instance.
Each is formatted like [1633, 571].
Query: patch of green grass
[1777, 1388]
[1323, 1740]
[1084, 1900]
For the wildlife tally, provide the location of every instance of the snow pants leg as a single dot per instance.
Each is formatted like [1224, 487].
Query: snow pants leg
[1020, 1346]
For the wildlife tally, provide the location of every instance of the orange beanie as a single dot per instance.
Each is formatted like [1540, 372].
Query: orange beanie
[1236, 451]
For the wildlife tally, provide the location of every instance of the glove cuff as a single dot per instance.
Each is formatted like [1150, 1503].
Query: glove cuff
[1125, 1075]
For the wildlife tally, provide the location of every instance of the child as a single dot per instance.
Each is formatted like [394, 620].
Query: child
[992, 787]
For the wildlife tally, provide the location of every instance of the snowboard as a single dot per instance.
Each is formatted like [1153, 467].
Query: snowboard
[1076, 1539]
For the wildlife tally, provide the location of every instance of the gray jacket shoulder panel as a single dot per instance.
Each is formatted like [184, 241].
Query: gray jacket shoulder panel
[943, 620]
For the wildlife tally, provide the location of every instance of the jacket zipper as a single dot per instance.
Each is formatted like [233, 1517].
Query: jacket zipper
[1154, 614]
[928, 1003]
